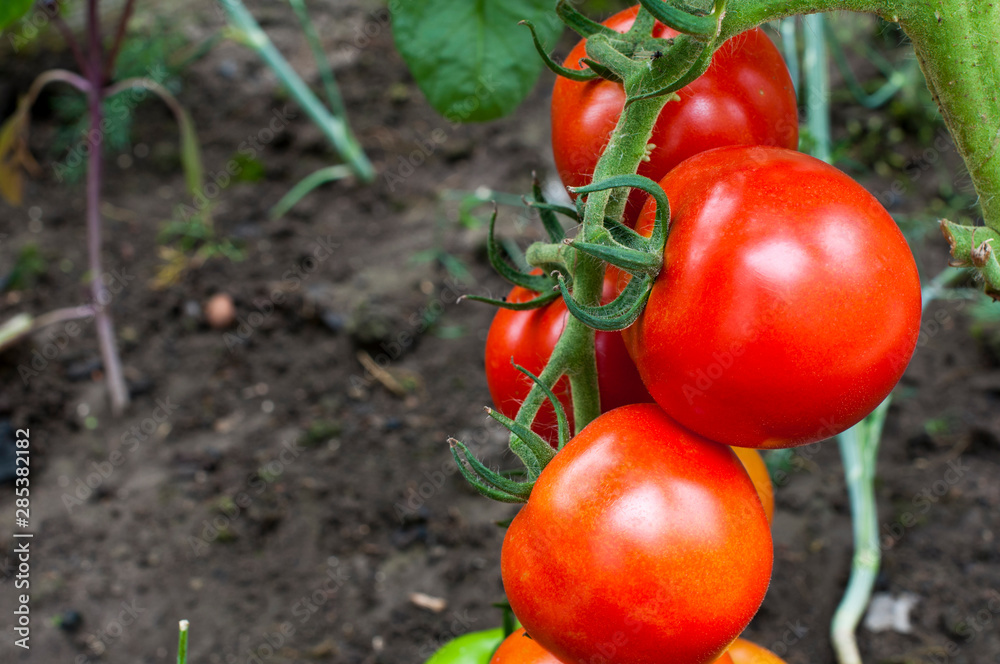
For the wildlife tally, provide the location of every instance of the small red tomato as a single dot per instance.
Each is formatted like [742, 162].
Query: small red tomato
[640, 538]
[745, 652]
[746, 97]
[788, 305]
[528, 337]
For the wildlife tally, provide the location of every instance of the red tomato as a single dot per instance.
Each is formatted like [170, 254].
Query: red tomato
[529, 338]
[745, 652]
[757, 470]
[745, 98]
[519, 648]
[788, 306]
[640, 538]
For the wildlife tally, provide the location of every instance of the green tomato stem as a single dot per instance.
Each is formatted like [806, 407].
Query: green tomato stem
[574, 354]
[859, 450]
[955, 43]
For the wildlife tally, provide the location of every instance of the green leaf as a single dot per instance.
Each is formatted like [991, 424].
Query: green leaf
[470, 58]
[11, 10]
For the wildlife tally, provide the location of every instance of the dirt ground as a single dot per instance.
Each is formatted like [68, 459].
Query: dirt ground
[270, 489]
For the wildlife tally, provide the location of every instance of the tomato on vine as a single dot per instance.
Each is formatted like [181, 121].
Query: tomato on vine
[746, 97]
[528, 338]
[789, 303]
[639, 538]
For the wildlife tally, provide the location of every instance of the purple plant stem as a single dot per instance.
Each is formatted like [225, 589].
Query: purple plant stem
[102, 298]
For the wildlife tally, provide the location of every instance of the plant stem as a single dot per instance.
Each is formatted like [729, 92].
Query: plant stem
[99, 292]
[955, 42]
[71, 42]
[574, 354]
[335, 128]
[119, 38]
[859, 450]
[182, 642]
[815, 65]
[333, 96]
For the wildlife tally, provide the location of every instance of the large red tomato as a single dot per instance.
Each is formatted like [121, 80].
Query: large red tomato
[788, 305]
[745, 98]
[640, 539]
[529, 338]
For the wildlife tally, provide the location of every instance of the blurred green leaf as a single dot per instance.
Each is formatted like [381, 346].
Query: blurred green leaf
[11, 10]
[471, 59]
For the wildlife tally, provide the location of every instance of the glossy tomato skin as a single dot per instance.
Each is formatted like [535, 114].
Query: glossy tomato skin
[529, 338]
[746, 97]
[754, 464]
[788, 306]
[745, 652]
[640, 538]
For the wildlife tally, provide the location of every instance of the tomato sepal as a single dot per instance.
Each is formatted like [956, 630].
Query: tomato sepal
[643, 25]
[658, 237]
[620, 313]
[536, 303]
[488, 482]
[975, 247]
[580, 24]
[540, 451]
[581, 75]
[495, 254]
[547, 212]
[562, 422]
[699, 25]
[633, 261]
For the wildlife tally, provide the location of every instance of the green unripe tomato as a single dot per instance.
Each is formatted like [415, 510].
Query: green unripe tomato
[472, 648]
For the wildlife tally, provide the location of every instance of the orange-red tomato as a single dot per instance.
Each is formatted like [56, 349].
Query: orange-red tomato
[745, 98]
[757, 470]
[745, 652]
[640, 538]
[519, 648]
[789, 302]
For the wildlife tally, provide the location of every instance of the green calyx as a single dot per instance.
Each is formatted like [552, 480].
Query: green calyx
[976, 247]
[529, 447]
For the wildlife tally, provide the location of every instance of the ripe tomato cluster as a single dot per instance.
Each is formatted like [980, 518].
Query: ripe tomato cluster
[786, 310]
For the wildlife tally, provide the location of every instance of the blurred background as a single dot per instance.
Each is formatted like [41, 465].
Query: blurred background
[281, 477]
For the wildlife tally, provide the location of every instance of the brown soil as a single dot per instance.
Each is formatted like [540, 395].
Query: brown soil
[270, 489]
